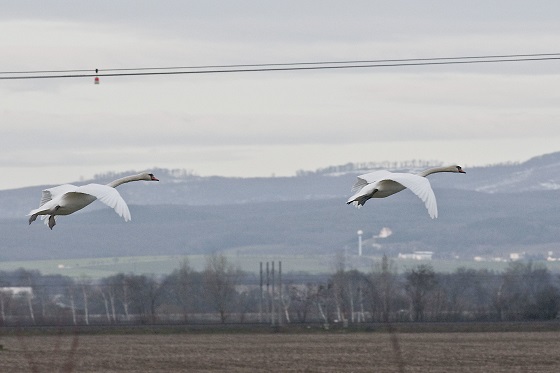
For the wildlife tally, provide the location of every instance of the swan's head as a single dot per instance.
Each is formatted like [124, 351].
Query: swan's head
[456, 168]
[148, 176]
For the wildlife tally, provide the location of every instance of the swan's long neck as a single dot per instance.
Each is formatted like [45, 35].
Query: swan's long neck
[433, 170]
[126, 179]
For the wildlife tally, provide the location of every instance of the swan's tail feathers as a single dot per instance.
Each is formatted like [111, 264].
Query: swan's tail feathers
[360, 198]
[356, 204]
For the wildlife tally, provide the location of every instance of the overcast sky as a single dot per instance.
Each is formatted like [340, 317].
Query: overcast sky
[259, 124]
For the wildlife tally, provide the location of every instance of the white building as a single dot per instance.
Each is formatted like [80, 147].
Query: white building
[516, 256]
[418, 255]
[17, 290]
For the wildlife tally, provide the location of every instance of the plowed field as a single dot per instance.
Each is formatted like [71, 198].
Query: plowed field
[284, 352]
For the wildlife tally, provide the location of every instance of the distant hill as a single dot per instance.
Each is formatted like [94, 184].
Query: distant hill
[470, 223]
[489, 211]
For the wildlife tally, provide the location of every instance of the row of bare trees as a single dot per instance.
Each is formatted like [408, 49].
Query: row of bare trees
[221, 293]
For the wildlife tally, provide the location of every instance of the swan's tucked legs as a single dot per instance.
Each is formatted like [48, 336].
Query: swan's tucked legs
[360, 201]
[52, 221]
[32, 218]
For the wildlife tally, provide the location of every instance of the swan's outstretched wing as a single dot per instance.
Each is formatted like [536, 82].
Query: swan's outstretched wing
[52, 193]
[421, 187]
[109, 196]
[370, 178]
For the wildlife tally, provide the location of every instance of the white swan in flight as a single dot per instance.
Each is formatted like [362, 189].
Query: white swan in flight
[381, 184]
[67, 198]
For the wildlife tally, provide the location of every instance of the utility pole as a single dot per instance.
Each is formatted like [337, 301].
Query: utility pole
[360, 232]
[281, 303]
[261, 295]
[273, 318]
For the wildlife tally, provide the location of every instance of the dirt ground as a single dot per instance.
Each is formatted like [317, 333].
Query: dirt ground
[283, 352]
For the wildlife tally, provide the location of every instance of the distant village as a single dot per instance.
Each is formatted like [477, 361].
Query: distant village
[428, 255]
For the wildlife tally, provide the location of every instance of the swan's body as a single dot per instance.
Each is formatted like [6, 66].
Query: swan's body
[67, 198]
[381, 184]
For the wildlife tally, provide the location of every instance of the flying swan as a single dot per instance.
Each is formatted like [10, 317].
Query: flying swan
[67, 198]
[381, 184]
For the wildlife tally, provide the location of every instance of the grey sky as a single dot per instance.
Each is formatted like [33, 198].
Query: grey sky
[258, 124]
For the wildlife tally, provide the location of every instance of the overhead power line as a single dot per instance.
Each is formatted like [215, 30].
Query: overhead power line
[269, 67]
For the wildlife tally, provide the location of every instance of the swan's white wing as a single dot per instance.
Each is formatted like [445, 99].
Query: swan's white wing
[370, 178]
[421, 187]
[52, 193]
[109, 196]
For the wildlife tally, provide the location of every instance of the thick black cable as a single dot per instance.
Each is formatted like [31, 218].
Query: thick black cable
[509, 56]
[215, 69]
[333, 62]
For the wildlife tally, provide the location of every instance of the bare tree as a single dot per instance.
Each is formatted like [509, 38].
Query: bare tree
[108, 289]
[357, 282]
[183, 288]
[29, 298]
[340, 290]
[322, 296]
[527, 292]
[123, 286]
[346, 290]
[85, 283]
[419, 282]
[285, 301]
[29, 279]
[102, 291]
[301, 299]
[220, 279]
[70, 290]
[117, 289]
[140, 296]
[152, 288]
[385, 283]
[468, 293]
[5, 300]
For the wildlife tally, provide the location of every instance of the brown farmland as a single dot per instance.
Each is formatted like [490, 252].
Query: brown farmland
[283, 352]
